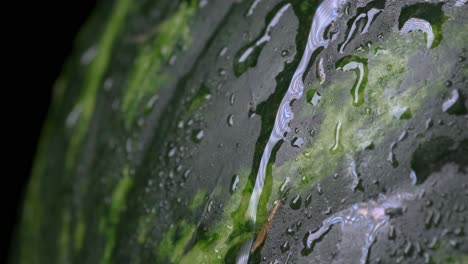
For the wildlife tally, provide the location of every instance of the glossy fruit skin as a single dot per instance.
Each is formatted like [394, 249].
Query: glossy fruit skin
[155, 136]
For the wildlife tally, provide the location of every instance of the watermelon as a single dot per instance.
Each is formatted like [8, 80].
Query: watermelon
[256, 131]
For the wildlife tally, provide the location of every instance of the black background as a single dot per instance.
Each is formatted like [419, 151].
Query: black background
[39, 38]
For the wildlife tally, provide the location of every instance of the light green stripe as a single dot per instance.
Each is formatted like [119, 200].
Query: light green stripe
[119, 198]
[87, 100]
[147, 77]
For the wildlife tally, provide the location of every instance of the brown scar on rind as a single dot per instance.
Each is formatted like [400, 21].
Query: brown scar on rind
[266, 226]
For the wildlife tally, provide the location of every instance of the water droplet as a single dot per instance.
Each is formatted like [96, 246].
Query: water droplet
[308, 200]
[202, 3]
[436, 218]
[402, 113]
[152, 101]
[428, 203]
[251, 112]
[89, 55]
[210, 206]
[187, 173]
[298, 142]
[312, 133]
[198, 135]
[454, 104]
[73, 116]
[406, 114]
[403, 135]
[391, 233]
[141, 121]
[429, 123]
[355, 174]
[230, 120]
[252, 7]
[180, 125]
[413, 177]
[129, 145]
[319, 189]
[408, 248]
[313, 96]
[172, 60]
[234, 183]
[368, 110]
[391, 158]
[337, 146]
[285, 247]
[285, 184]
[298, 225]
[327, 211]
[458, 231]
[232, 98]
[393, 211]
[296, 202]
[222, 72]
[222, 52]
[432, 244]
[172, 152]
[108, 83]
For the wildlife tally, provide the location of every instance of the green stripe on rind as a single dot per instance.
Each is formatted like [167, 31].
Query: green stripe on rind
[87, 100]
[174, 242]
[29, 236]
[118, 203]
[64, 238]
[79, 233]
[147, 77]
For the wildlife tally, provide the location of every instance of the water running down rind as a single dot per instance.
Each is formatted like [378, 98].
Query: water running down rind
[371, 14]
[419, 24]
[372, 216]
[266, 36]
[326, 13]
[358, 65]
[248, 56]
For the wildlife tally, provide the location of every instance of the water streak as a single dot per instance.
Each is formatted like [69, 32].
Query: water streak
[419, 24]
[321, 71]
[451, 101]
[460, 3]
[266, 35]
[360, 67]
[370, 17]
[373, 215]
[326, 13]
[252, 7]
[247, 57]
[337, 146]
[355, 174]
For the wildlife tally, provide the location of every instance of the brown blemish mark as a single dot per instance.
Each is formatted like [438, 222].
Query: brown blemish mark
[266, 226]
